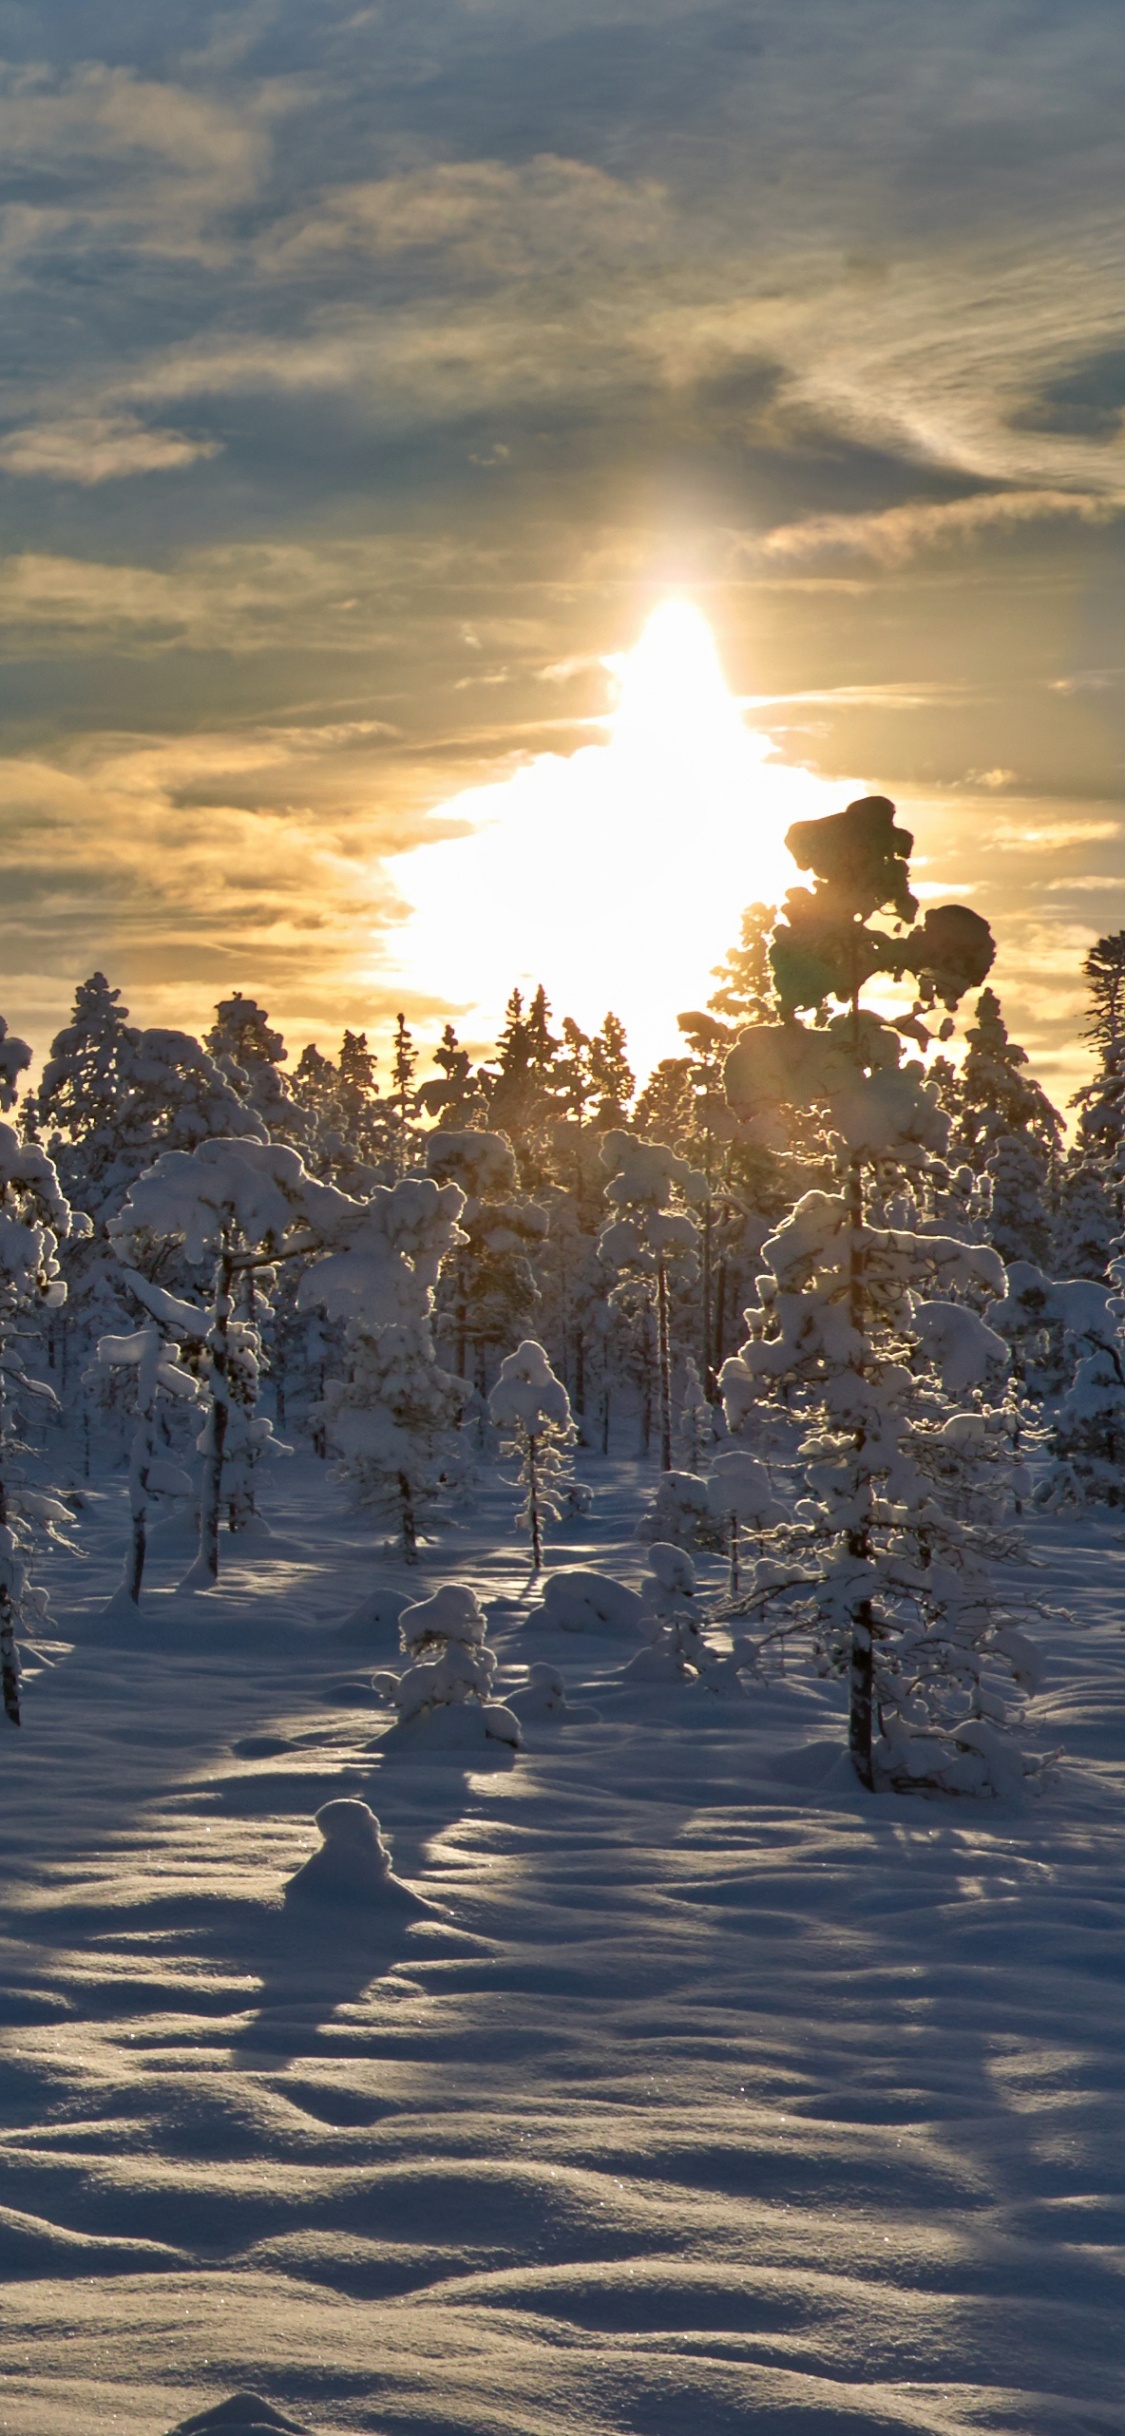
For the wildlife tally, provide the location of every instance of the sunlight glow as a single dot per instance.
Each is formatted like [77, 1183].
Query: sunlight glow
[617, 876]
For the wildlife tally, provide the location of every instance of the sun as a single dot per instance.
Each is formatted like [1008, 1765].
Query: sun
[615, 876]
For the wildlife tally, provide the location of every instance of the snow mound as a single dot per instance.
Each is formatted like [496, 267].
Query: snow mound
[575, 1600]
[374, 1623]
[353, 1864]
[543, 1695]
[242, 2415]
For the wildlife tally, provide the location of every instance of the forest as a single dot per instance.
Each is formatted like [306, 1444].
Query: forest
[851, 1298]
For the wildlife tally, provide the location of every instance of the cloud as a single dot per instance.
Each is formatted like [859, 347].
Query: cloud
[111, 158]
[98, 448]
[1052, 838]
[489, 217]
[894, 535]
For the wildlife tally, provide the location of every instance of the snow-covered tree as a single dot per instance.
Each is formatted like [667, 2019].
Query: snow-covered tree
[1007, 1130]
[150, 1355]
[531, 1409]
[246, 1205]
[741, 1498]
[859, 1328]
[445, 1699]
[679, 1513]
[1087, 1223]
[35, 1217]
[393, 1418]
[695, 1434]
[489, 1291]
[251, 1055]
[651, 1244]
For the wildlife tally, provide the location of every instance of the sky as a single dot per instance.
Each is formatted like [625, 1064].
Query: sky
[373, 373]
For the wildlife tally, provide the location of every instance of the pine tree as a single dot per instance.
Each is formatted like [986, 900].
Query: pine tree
[531, 1409]
[403, 1064]
[652, 1244]
[488, 1291]
[35, 1217]
[251, 1056]
[1007, 1130]
[394, 1417]
[746, 993]
[246, 1205]
[1100, 1139]
[457, 1099]
[859, 1327]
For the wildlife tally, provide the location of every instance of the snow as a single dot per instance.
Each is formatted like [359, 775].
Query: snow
[699, 2092]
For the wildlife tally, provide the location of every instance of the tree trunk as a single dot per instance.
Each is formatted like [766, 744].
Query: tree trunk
[665, 1361]
[205, 1570]
[9, 1659]
[409, 1525]
[708, 1375]
[533, 1504]
[861, 1671]
[136, 1570]
[734, 1556]
[716, 1362]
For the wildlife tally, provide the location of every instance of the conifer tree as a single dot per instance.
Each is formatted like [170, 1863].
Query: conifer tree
[35, 1217]
[531, 1409]
[404, 1061]
[651, 1243]
[246, 1205]
[857, 1316]
[488, 1290]
[1007, 1130]
[251, 1055]
[393, 1418]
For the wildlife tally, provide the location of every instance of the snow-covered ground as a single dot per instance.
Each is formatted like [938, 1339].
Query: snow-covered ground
[709, 2094]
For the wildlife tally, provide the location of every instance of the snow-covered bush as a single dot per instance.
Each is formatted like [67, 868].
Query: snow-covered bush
[673, 1616]
[393, 1419]
[680, 1512]
[531, 1410]
[542, 1696]
[444, 1699]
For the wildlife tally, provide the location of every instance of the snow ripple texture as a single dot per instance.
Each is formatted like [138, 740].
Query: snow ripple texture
[696, 2093]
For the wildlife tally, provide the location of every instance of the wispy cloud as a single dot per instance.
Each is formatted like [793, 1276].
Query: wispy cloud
[99, 448]
[894, 535]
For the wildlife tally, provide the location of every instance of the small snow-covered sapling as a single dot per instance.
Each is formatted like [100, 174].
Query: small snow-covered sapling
[531, 1409]
[451, 1668]
[741, 1496]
